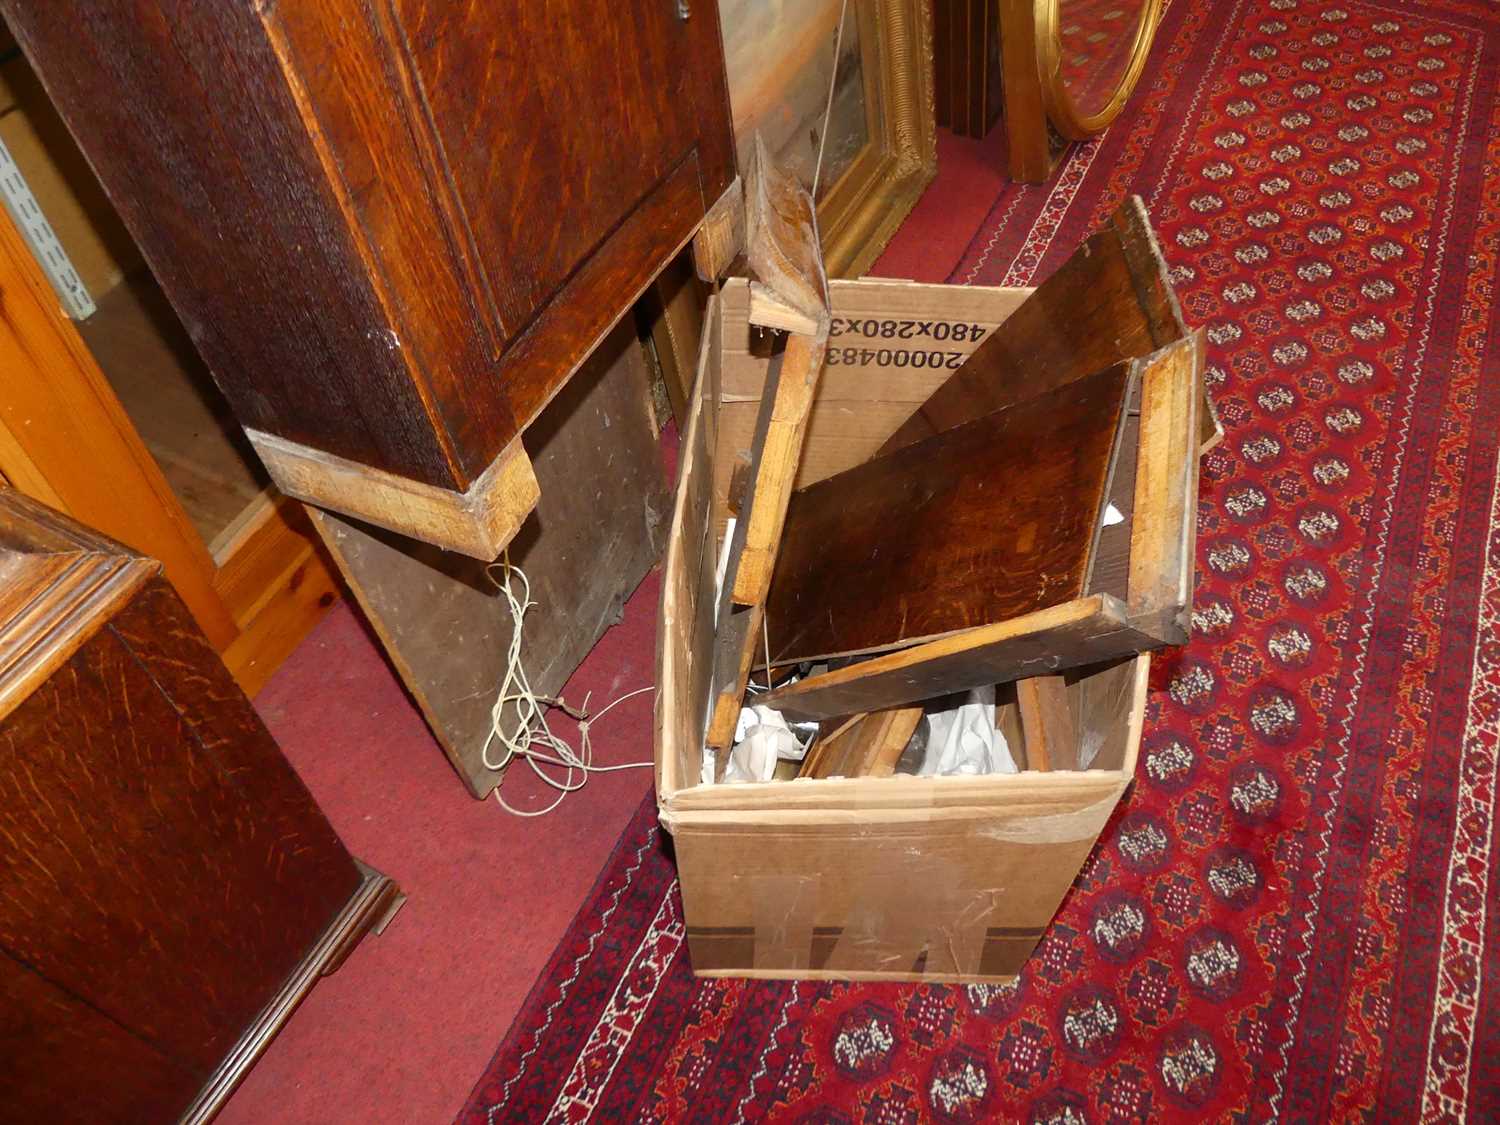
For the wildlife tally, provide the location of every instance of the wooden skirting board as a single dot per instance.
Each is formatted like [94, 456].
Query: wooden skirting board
[277, 580]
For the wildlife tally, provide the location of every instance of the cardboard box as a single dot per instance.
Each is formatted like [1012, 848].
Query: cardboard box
[899, 878]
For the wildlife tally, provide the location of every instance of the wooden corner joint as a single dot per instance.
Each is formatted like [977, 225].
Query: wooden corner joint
[721, 235]
[478, 522]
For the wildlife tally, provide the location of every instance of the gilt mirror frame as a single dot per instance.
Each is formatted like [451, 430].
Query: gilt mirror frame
[1064, 113]
[1040, 115]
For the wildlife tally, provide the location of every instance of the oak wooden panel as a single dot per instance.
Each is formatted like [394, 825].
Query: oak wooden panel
[177, 814]
[165, 868]
[187, 116]
[599, 527]
[1110, 301]
[985, 522]
[64, 1063]
[395, 228]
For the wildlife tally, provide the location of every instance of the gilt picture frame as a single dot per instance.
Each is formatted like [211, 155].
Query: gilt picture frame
[880, 149]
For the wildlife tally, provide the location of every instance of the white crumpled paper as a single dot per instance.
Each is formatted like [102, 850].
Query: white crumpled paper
[963, 740]
[761, 738]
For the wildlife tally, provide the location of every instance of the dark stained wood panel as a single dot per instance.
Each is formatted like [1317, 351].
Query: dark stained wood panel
[64, 1063]
[600, 90]
[982, 523]
[176, 822]
[186, 116]
[395, 228]
[169, 890]
[1110, 301]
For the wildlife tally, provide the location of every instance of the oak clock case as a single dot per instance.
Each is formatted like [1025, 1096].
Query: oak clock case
[1069, 67]
[396, 228]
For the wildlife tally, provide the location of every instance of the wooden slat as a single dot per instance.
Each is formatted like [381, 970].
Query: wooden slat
[1110, 301]
[991, 520]
[1077, 632]
[1165, 508]
[1051, 741]
[779, 456]
[782, 249]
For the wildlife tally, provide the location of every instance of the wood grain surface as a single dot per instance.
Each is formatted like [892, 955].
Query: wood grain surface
[394, 229]
[1047, 724]
[1079, 632]
[987, 521]
[165, 866]
[866, 745]
[1110, 301]
[783, 252]
[65, 1063]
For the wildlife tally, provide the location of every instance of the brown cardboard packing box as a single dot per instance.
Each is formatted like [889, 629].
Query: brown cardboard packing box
[904, 878]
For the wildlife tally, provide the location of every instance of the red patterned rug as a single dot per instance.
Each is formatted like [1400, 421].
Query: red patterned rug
[1294, 914]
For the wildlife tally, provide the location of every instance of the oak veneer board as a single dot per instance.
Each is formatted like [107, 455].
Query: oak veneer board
[599, 527]
[1155, 608]
[782, 248]
[1110, 301]
[985, 522]
[131, 762]
[395, 229]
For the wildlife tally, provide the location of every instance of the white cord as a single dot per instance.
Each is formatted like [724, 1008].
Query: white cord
[531, 728]
[838, 50]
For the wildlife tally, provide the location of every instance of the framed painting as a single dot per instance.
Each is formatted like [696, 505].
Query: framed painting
[878, 149]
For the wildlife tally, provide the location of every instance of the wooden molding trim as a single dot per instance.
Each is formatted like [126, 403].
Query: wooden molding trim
[478, 523]
[59, 585]
[369, 909]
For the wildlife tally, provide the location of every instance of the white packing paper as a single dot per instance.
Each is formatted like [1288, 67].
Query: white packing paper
[761, 738]
[963, 740]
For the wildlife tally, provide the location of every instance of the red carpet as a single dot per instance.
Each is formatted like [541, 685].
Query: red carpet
[1293, 915]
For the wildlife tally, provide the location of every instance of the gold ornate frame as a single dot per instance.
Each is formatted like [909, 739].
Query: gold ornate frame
[1036, 100]
[861, 211]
